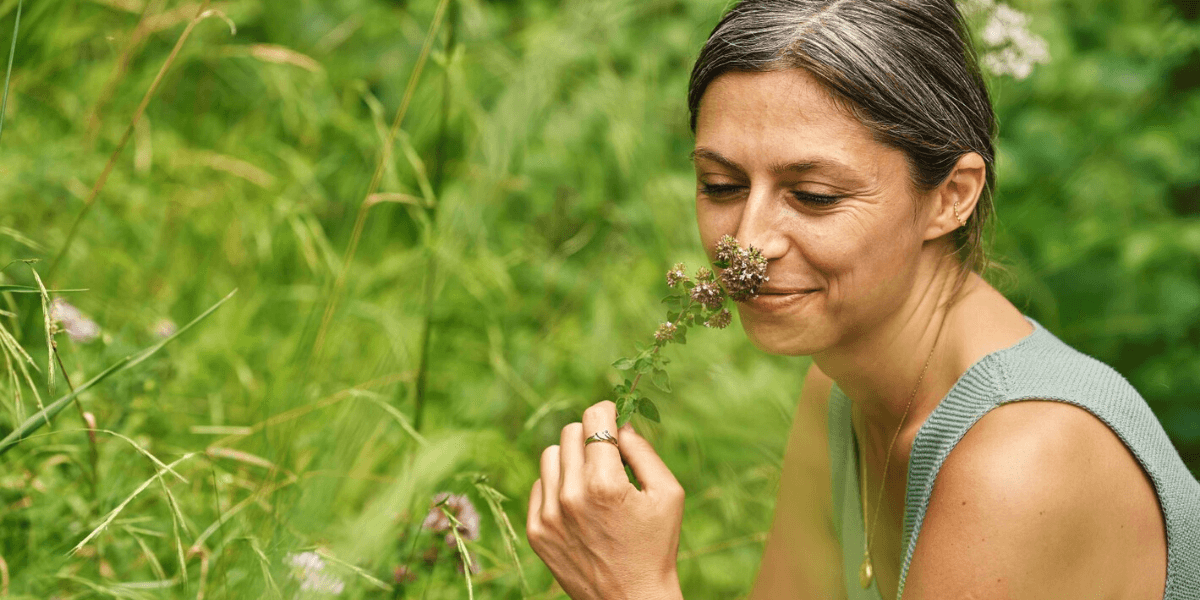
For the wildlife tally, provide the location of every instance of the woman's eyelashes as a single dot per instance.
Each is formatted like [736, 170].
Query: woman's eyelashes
[815, 199]
[729, 191]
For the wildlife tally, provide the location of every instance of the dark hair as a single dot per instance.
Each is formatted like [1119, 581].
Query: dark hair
[906, 69]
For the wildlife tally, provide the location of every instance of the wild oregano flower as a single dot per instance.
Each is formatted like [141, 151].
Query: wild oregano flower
[677, 275]
[697, 301]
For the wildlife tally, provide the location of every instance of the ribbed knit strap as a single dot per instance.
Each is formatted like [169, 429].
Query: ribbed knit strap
[969, 399]
[1042, 367]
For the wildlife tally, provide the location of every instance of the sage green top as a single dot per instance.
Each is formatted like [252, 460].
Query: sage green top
[1040, 367]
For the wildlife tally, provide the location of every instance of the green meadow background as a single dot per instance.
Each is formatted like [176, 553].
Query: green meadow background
[421, 309]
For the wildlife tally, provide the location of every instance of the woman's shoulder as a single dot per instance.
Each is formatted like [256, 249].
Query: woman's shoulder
[1043, 493]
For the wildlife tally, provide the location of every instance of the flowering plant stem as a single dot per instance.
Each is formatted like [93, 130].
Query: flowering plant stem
[697, 302]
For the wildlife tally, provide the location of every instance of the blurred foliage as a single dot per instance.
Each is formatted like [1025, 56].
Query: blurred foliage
[536, 192]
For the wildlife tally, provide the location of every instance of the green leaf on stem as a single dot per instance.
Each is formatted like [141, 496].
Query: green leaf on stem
[626, 408]
[647, 408]
[661, 380]
[623, 364]
[643, 364]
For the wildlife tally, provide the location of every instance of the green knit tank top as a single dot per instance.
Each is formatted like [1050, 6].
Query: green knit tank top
[1041, 367]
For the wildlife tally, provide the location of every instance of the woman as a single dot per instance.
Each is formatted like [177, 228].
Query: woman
[972, 454]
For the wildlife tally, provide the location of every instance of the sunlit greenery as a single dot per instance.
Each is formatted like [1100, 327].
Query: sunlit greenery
[513, 245]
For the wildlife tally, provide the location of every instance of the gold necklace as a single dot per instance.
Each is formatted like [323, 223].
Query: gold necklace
[866, 572]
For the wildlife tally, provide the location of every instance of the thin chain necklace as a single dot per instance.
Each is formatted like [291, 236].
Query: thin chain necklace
[866, 572]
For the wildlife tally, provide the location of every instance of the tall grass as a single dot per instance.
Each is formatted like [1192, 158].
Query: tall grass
[444, 218]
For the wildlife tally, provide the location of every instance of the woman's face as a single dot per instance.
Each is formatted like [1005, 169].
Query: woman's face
[781, 167]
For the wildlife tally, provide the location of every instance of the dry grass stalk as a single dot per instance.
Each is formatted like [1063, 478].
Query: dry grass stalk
[140, 32]
[201, 14]
[282, 55]
[385, 156]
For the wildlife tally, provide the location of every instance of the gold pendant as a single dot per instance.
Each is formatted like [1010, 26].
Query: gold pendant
[864, 572]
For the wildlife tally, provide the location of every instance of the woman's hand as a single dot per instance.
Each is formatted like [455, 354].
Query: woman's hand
[601, 536]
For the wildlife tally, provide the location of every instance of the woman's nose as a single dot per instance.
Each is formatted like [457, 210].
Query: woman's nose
[761, 222]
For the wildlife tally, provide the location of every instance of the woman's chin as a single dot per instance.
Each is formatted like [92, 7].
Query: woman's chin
[778, 338]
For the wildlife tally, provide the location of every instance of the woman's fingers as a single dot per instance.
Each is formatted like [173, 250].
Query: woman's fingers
[650, 470]
[551, 481]
[571, 443]
[601, 457]
[535, 504]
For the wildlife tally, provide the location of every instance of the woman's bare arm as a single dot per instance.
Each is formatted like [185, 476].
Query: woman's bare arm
[1040, 500]
[801, 559]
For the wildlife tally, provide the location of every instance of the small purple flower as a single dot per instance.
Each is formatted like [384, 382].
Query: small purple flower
[720, 320]
[727, 247]
[458, 505]
[666, 332]
[403, 575]
[705, 274]
[747, 271]
[709, 294]
[677, 275]
[164, 328]
[475, 567]
[78, 326]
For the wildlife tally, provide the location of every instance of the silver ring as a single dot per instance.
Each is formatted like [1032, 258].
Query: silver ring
[602, 436]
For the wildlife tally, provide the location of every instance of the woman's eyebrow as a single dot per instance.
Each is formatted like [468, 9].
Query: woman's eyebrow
[706, 154]
[801, 166]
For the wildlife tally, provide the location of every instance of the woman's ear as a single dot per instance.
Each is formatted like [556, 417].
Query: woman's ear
[955, 199]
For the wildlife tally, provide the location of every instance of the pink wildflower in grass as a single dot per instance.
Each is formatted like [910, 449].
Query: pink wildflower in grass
[402, 575]
[164, 328]
[475, 566]
[458, 505]
[78, 326]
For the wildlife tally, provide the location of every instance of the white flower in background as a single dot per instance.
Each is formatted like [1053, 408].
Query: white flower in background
[164, 328]
[1008, 47]
[309, 570]
[78, 326]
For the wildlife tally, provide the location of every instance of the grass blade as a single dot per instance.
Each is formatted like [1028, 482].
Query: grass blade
[43, 416]
[494, 501]
[26, 289]
[8, 74]
[120, 507]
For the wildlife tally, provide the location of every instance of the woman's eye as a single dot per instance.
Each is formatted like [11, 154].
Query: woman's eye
[815, 199]
[719, 190]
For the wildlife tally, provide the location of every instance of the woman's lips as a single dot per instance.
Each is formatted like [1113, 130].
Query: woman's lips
[776, 300]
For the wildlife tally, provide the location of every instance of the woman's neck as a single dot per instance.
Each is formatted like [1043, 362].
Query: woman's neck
[879, 370]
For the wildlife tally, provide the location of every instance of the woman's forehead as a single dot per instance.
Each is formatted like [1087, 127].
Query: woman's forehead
[782, 120]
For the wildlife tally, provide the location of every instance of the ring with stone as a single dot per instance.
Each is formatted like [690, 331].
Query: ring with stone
[602, 436]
